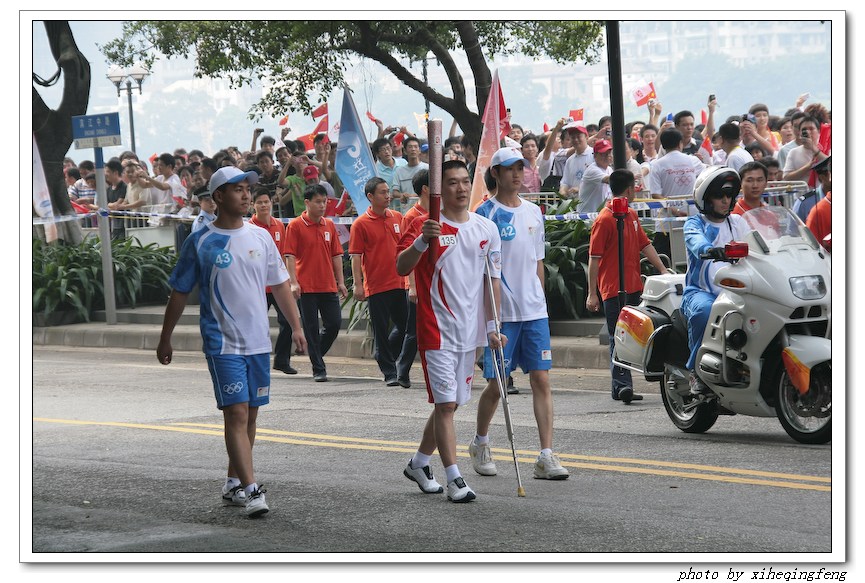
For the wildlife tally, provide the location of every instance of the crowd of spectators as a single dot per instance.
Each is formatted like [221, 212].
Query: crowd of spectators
[665, 153]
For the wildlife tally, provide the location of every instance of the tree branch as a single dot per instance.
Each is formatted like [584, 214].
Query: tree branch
[477, 62]
[367, 46]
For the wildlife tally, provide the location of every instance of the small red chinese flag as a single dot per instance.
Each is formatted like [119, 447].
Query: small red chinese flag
[319, 111]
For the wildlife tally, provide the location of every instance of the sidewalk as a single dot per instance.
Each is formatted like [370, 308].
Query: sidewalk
[140, 329]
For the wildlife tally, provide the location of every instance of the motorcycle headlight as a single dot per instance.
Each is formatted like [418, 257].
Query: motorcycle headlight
[808, 287]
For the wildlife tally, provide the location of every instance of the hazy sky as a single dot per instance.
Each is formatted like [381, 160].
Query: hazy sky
[169, 117]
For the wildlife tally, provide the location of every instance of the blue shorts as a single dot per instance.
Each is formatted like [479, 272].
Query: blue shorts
[528, 347]
[240, 379]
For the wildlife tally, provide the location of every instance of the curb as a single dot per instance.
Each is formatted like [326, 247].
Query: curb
[568, 352]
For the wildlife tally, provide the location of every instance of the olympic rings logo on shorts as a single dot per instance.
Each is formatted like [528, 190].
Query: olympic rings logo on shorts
[232, 388]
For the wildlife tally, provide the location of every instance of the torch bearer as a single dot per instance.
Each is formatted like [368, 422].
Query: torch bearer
[434, 134]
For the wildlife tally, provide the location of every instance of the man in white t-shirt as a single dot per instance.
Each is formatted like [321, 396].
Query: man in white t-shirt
[524, 314]
[795, 120]
[731, 143]
[166, 187]
[232, 261]
[576, 164]
[451, 293]
[595, 186]
[401, 185]
[672, 175]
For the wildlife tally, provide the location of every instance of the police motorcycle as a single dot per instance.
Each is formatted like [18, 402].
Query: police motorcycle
[766, 351]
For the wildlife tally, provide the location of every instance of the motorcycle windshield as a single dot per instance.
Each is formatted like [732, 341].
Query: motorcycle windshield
[775, 227]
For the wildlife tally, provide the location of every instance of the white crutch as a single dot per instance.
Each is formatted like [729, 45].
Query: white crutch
[499, 368]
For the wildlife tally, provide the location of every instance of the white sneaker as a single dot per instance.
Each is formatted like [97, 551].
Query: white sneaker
[548, 467]
[458, 491]
[423, 477]
[234, 496]
[255, 504]
[482, 459]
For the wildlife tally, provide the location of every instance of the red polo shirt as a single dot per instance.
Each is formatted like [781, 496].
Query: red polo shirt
[375, 238]
[743, 207]
[820, 218]
[277, 230]
[411, 214]
[604, 243]
[313, 245]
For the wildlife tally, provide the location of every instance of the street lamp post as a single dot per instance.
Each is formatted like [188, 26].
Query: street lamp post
[138, 73]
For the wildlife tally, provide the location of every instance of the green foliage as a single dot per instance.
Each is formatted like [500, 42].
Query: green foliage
[566, 264]
[69, 277]
[302, 62]
[359, 310]
[141, 272]
[66, 278]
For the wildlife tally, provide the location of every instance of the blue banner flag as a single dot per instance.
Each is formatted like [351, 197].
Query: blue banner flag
[354, 162]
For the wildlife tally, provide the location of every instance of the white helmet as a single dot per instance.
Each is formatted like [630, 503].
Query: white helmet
[713, 181]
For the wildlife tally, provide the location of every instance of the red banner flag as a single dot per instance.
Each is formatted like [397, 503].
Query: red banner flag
[546, 127]
[704, 117]
[576, 114]
[283, 121]
[706, 151]
[319, 111]
[371, 117]
[825, 139]
[490, 140]
[504, 116]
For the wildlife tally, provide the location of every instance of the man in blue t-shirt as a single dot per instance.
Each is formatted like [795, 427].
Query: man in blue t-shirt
[232, 262]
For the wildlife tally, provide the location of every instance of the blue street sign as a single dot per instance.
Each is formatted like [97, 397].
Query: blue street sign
[96, 131]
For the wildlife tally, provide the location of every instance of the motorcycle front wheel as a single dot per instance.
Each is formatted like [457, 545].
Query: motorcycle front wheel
[806, 418]
[697, 420]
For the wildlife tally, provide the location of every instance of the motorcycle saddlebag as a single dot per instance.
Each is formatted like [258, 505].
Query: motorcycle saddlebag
[634, 328]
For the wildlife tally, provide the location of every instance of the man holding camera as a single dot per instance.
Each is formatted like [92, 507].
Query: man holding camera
[803, 158]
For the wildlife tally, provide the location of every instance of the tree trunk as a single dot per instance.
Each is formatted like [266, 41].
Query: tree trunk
[472, 123]
[53, 128]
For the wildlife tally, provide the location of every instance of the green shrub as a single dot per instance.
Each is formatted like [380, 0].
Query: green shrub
[566, 264]
[69, 277]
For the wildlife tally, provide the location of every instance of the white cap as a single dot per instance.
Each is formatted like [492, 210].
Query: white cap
[507, 157]
[231, 175]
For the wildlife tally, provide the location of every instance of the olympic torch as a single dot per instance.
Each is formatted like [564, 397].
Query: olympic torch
[434, 134]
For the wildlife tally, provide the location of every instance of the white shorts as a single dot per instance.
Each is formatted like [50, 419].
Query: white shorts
[448, 375]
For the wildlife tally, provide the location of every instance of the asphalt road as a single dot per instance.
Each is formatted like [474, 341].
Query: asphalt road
[128, 457]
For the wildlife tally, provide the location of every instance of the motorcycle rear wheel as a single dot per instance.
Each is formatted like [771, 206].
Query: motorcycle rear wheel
[806, 418]
[697, 420]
